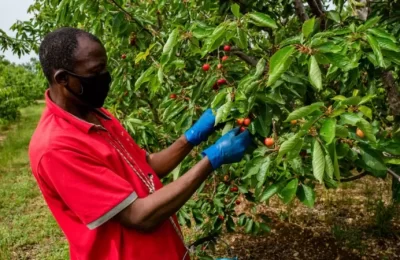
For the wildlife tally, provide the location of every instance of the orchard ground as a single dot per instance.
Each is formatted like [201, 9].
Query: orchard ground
[355, 221]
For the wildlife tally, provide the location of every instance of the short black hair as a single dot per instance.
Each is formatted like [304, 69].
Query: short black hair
[57, 49]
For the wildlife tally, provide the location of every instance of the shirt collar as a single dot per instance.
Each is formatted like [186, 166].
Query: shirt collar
[81, 124]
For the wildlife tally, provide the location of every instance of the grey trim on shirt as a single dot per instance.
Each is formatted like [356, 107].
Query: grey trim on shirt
[117, 209]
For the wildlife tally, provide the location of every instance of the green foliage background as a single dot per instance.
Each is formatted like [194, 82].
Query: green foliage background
[331, 71]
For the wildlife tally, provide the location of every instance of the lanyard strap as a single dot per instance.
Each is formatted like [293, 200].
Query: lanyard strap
[147, 180]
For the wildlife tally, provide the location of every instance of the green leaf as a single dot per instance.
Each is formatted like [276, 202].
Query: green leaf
[366, 111]
[218, 99]
[171, 42]
[328, 130]
[333, 155]
[291, 147]
[328, 166]
[369, 24]
[249, 226]
[333, 15]
[242, 36]
[262, 174]
[341, 131]
[216, 36]
[382, 33]
[318, 162]
[223, 112]
[292, 40]
[328, 47]
[377, 50]
[349, 119]
[366, 127]
[262, 20]
[175, 172]
[304, 111]
[269, 192]
[264, 120]
[260, 68]
[306, 195]
[235, 8]
[373, 160]
[289, 191]
[315, 73]
[279, 63]
[308, 27]
[387, 44]
[253, 167]
[144, 77]
[351, 101]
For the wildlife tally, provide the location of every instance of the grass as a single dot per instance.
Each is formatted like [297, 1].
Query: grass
[27, 228]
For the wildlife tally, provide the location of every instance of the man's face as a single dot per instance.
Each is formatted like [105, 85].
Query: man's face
[90, 60]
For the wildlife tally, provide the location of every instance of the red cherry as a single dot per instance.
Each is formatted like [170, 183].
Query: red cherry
[227, 48]
[234, 189]
[224, 58]
[242, 129]
[172, 96]
[123, 56]
[246, 121]
[269, 141]
[237, 202]
[206, 67]
[219, 66]
[221, 217]
[215, 86]
[221, 82]
[239, 121]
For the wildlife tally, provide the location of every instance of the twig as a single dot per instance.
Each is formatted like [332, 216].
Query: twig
[393, 94]
[391, 172]
[153, 111]
[243, 56]
[353, 178]
[132, 17]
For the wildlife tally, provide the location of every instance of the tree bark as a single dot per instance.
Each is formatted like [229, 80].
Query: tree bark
[300, 11]
[243, 56]
[316, 7]
[393, 94]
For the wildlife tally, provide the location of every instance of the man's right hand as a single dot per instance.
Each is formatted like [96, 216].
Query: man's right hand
[229, 148]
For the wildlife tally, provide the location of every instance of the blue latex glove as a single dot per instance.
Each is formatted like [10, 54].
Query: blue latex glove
[202, 128]
[229, 148]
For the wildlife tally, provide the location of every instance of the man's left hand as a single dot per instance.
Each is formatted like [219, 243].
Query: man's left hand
[201, 129]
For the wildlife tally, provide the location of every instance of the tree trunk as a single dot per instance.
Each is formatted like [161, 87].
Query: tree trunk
[393, 95]
[300, 11]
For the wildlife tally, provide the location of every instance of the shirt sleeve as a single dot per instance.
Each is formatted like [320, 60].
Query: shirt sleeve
[91, 190]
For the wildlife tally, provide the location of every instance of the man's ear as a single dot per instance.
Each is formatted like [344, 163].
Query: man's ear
[61, 77]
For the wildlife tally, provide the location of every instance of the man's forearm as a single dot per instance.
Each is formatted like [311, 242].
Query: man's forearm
[147, 213]
[166, 160]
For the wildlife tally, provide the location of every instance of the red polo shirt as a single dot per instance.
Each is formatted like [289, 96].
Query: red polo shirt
[86, 177]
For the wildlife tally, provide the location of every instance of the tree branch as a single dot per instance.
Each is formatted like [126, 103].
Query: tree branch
[300, 11]
[316, 7]
[243, 56]
[393, 94]
[353, 178]
[132, 17]
[391, 172]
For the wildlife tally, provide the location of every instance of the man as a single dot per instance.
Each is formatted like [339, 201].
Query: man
[103, 190]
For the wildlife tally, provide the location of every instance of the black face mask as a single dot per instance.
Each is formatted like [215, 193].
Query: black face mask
[94, 89]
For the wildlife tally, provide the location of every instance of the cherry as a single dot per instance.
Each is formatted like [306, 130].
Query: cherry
[237, 202]
[360, 133]
[215, 86]
[221, 82]
[123, 56]
[246, 121]
[239, 121]
[226, 178]
[269, 141]
[221, 217]
[234, 189]
[219, 66]
[293, 122]
[227, 48]
[206, 67]
[172, 96]
[224, 58]
[242, 129]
